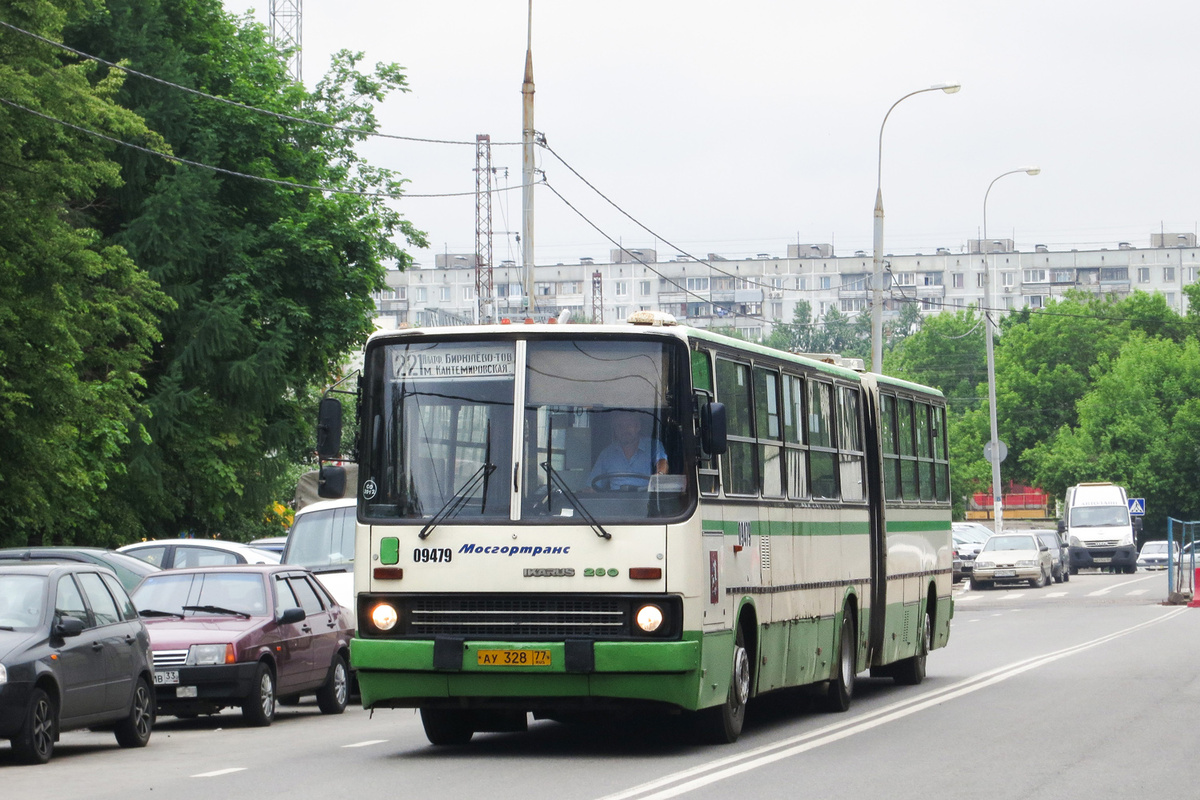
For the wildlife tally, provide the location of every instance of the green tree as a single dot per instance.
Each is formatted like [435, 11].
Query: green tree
[1138, 426]
[77, 318]
[273, 284]
[946, 352]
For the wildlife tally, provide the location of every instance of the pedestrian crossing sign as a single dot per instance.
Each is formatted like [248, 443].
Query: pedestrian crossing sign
[1137, 506]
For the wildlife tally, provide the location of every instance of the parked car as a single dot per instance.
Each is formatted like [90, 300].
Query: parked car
[1153, 554]
[274, 544]
[244, 636]
[73, 654]
[959, 573]
[1060, 554]
[968, 538]
[1012, 557]
[129, 570]
[180, 553]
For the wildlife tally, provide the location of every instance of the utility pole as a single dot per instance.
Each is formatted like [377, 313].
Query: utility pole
[597, 298]
[527, 168]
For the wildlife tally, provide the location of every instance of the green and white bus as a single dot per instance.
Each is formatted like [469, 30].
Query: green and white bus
[779, 521]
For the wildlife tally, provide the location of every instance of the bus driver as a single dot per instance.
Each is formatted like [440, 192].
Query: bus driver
[629, 461]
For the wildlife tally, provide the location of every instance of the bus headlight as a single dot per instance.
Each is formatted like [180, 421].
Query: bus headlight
[384, 617]
[649, 618]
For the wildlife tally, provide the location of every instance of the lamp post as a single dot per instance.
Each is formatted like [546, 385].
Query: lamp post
[994, 450]
[877, 277]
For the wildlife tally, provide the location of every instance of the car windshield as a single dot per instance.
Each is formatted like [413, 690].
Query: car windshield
[322, 540]
[971, 534]
[22, 601]
[997, 543]
[1099, 516]
[1154, 547]
[185, 594]
[1050, 539]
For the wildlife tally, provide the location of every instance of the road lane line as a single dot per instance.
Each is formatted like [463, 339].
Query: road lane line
[1108, 589]
[1139, 591]
[367, 743]
[217, 772]
[1057, 594]
[694, 778]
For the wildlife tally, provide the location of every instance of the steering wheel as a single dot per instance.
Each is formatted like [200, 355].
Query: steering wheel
[606, 477]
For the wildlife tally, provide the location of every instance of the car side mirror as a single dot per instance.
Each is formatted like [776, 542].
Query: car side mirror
[68, 627]
[291, 616]
[713, 429]
[1062, 526]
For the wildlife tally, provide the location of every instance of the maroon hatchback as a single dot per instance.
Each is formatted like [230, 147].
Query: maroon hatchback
[244, 636]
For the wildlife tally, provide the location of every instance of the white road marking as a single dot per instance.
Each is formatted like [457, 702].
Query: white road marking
[217, 772]
[1139, 591]
[1119, 585]
[367, 743]
[694, 778]
[1057, 594]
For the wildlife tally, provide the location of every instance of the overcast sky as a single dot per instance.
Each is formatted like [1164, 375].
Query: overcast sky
[742, 127]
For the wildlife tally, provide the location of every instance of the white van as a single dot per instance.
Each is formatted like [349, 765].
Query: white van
[322, 540]
[1099, 529]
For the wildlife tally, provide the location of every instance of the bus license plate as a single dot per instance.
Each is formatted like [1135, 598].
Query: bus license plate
[513, 658]
[166, 677]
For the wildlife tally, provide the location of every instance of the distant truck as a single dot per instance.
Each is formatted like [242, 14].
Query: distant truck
[1099, 529]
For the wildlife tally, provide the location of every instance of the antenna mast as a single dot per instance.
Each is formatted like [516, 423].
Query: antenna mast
[285, 32]
[484, 284]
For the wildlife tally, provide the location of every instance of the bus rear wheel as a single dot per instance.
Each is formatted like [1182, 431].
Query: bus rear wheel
[841, 688]
[911, 671]
[447, 726]
[723, 724]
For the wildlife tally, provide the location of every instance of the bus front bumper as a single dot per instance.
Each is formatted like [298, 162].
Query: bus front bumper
[415, 673]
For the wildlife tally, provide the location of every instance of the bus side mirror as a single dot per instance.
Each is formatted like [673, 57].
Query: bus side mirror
[331, 481]
[713, 436]
[329, 428]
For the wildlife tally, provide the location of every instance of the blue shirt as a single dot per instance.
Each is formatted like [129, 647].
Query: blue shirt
[644, 462]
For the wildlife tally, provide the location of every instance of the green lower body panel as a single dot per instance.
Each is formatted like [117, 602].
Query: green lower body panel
[402, 673]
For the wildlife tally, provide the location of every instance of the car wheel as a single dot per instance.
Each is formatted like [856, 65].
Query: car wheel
[259, 707]
[447, 726]
[1066, 575]
[134, 730]
[1073, 571]
[1039, 581]
[723, 724]
[841, 688]
[34, 742]
[911, 671]
[332, 697]
[980, 585]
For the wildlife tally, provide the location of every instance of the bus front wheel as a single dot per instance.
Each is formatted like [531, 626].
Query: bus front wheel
[723, 724]
[446, 726]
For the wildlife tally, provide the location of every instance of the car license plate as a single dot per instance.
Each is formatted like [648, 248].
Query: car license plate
[513, 658]
[1102, 560]
[1006, 573]
[166, 677]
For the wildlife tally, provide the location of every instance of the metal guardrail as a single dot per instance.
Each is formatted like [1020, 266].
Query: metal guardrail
[1181, 572]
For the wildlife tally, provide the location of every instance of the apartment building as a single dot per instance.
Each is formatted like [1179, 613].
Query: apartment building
[751, 293]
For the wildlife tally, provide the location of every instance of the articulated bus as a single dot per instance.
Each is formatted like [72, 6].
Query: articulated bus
[569, 519]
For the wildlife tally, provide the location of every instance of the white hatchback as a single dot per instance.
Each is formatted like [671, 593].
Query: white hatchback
[180, 553]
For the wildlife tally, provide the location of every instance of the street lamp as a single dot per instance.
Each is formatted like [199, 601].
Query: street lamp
[989, 322]
[877, 280]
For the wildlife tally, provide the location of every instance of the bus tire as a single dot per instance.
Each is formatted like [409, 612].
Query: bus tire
[911, 671]
[723, 724]
[446, 726]
[841, 687]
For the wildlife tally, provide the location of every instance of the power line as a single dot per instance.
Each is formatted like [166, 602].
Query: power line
[243, 106]
[234, 173]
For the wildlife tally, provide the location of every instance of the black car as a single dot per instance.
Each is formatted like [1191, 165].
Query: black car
[73, 654]
[129, 570]
[1060, 568]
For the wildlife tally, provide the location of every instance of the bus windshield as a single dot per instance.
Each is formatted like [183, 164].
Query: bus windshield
[600, 436]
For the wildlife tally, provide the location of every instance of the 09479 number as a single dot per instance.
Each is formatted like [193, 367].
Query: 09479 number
[432, 555]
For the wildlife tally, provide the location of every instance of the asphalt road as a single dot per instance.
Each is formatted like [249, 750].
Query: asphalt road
[1088, 689]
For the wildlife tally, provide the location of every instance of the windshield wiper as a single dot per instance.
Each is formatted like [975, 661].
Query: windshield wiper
[217, 610]
[557, 481]
[459, 498]
[154, 612]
